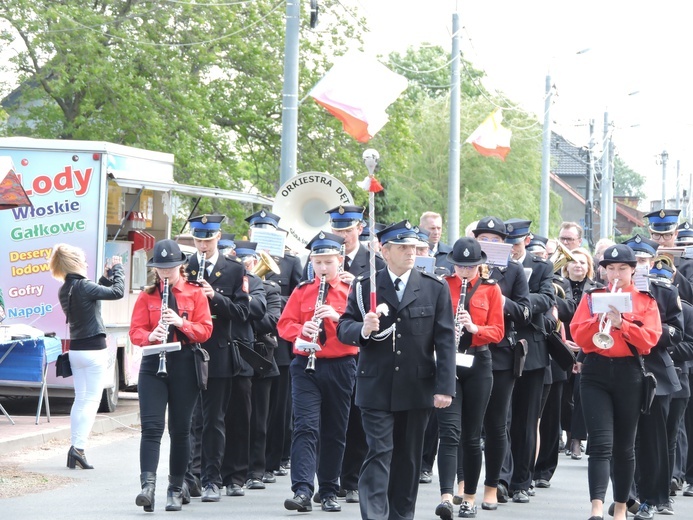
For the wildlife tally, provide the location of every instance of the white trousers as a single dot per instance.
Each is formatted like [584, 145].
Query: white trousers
[88, 372]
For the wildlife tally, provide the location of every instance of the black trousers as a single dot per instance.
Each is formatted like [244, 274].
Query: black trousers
[567, 403]
[613, 389]
[459, 425]
[653, 473]
[321, 403]
[279, 420]
[578, 429]
[430, 447]
[178, 391]
[526, 405]
[260, 400]
[234, 468]
[549, 433]
[355, 449]
[213, 403]
[688, 419]
[677, 410]
[389, 481]
[495, 425]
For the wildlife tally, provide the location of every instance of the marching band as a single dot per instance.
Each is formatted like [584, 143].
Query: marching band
[337, 372]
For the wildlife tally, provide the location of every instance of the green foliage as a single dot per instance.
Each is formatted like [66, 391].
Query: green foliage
[627, 182]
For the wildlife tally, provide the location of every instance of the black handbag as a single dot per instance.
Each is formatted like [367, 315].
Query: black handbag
[261, 365]
[201, 365]
[649, 384]
[561, 353]
[520, 351]
[62, 365]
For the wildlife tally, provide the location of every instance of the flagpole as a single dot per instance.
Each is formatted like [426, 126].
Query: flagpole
[371, 157]
[454, 157]
[545, 163]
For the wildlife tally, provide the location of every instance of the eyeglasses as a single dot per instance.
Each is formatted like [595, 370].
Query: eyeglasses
[661, 236]
[568, 239]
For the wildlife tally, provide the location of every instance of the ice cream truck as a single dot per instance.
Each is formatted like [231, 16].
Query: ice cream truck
[107, 199]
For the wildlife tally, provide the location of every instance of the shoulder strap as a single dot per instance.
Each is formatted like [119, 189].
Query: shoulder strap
[637, 355]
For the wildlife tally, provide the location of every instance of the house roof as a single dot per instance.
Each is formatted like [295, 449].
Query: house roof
[567, 160]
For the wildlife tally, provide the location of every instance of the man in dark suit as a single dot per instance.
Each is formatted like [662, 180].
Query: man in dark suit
[432, 223]
[224, 285]
[527, 393]
[406, 367]
[279, 423]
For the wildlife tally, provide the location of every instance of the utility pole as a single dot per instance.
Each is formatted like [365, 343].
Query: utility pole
[544, 201]
[605, 203]
[454, 159]
[664, 158]
[678, 184]
[589, 204]
[287, 168]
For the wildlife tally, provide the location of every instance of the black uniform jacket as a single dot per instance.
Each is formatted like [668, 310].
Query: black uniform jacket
[287, 280]
[360, 265]
[516, 310]
[658, 361]
[228, 306]
[541, 298]
[682, 352]
[441, 257]
[400, 372]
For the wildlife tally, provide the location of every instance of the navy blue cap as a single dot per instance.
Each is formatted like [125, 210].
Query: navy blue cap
[537, 243]
[325, 243]
[245, 248]
[423, 236]
[618, 254]
[366, 233]
[662, 269]
[205, 227]
[345, 217]
[166, 254]
[517, 229]
[226, 241]
[643, 247]
[490, 225]
[400, 233]
[466, 252]
[263, 217]
[664, 220]
[684, 236]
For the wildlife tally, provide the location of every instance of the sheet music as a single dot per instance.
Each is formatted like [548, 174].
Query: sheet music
[426, 264]
[269, 240]
[621, 300]
[497, 253]
[674, 252]
[641, 279]
[528, 273]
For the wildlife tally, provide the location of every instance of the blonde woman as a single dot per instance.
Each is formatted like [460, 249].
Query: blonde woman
[80, 299]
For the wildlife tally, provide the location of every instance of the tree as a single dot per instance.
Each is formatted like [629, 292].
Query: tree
[627, 182]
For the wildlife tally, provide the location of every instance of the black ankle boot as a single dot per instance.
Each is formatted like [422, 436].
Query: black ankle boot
[146, 497]
[174, 495]
[77, 457]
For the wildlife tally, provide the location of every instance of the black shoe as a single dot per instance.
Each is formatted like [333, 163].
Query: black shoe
[77, 457]
[596, 518]
[299, 502]
[667, 508]
[316, 498]
[489, 506]
[467, 510]
[444, 510]
[211, 493]
[282, 471]
[174, 493]
[646, 512]
[186, 493]
[688, 490]
[502, 493]
[269, 478]
[330, 504]
[234, 490]
[426, 477]
[254, 483]
[146, 497]
[352, 496]
[194, 487]
[520, 496]
[542, 483]
[530, 491]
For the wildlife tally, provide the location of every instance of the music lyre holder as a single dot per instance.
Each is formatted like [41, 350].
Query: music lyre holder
[158, 349]
[306, 346]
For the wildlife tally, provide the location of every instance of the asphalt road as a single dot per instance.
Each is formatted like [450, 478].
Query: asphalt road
[108, 492]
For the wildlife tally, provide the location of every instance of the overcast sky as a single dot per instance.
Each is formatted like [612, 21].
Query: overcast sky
[634, 46]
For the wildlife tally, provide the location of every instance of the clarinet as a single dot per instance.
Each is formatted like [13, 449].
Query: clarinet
[164, 306]
[459, 329]
[201, 270]
[310, 366]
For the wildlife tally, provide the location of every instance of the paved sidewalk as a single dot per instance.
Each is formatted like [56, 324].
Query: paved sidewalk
[26, 434]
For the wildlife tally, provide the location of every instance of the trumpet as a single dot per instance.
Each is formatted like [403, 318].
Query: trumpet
[310, 367]
[603, 339]
[162, 372]
[265, 264]
[459, 328]
[561, 257]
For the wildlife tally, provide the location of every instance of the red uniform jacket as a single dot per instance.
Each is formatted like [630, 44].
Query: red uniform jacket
[485, 307]
[641, 328]
[301, 307]
[191, 301]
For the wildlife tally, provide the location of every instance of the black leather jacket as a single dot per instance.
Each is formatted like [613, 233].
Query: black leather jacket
[84, 314]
